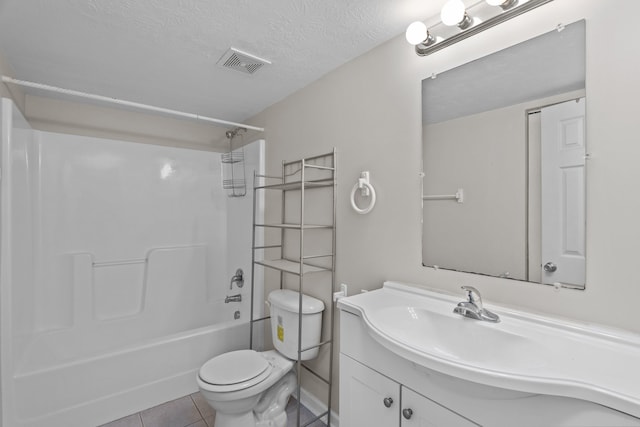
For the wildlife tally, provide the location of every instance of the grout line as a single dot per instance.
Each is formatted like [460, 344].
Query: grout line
[197, 409]
[141, 421]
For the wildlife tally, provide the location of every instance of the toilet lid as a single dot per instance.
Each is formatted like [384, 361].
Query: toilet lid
[235, 367]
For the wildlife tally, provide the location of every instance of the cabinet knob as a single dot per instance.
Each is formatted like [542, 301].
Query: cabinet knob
[407, 413]
[388, 402]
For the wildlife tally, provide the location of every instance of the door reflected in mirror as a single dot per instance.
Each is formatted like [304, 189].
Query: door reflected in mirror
[507, 132]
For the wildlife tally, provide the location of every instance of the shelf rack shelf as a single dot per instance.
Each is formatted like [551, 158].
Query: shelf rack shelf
[298, 185]
[295, 226]
[298, 178]
[292, 267]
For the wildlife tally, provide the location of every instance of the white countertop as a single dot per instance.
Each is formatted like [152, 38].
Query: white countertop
[523, 352]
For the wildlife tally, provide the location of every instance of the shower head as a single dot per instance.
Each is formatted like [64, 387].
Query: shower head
[234, 132]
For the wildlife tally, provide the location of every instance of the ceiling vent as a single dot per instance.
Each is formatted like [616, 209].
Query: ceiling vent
[238, 60]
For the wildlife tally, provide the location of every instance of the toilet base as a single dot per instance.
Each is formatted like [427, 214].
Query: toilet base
[270, 410]
[235, 420]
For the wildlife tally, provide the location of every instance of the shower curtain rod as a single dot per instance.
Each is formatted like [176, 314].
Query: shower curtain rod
[138, 105]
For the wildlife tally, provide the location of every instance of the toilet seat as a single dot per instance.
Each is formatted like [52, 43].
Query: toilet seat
[236, 370]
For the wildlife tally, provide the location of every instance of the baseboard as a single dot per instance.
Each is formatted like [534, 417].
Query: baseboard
[316, 406]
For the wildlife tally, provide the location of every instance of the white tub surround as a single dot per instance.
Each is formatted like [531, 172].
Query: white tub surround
[115, 266]
[528, 355]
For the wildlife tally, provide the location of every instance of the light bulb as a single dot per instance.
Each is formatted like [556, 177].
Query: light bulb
[416, 33]
[452, 12]
[495, 2]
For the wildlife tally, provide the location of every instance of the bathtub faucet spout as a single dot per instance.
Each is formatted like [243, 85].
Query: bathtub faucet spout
[233, 298]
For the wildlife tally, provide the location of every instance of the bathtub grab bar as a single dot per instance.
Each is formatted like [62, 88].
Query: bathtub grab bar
[97, 264]
[110, 263]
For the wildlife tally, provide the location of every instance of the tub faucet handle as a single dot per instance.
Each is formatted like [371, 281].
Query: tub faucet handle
[238, 279]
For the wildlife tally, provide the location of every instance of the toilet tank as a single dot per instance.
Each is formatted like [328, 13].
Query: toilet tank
[285, 309]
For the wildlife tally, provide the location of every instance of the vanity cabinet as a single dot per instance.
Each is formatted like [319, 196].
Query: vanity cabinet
[426, 413]
[370, 374]
[369, 398]
[372, 399]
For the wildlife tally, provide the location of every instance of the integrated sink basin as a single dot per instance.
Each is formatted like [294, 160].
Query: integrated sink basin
[523, 352]
[456, 338]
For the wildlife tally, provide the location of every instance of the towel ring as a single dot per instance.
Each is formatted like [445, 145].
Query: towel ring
[363, 185]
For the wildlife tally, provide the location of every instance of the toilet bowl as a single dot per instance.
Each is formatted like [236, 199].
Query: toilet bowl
[249, 388]
[246, 386]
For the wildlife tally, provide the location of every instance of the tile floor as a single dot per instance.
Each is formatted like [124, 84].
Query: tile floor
[194, 411]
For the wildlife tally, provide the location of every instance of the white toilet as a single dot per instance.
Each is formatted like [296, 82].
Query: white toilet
[251, 389]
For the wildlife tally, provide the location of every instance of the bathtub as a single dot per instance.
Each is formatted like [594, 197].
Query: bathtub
[96, 390]
[115, 261]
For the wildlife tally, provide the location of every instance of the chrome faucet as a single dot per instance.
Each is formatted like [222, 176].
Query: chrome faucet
[233, 298]
[472, 307]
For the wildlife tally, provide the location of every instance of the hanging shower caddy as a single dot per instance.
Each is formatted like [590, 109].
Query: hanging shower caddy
[233, 170]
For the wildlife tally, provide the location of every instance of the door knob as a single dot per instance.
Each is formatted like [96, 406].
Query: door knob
[550, 267]
[407, 413]
[388, 402]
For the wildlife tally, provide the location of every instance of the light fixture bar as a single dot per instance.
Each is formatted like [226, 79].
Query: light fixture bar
[422, 50]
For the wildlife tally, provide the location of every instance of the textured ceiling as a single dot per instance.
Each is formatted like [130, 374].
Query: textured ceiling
[164, 52]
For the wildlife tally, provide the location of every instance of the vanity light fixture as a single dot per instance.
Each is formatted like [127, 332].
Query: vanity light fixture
[504, 4]
[454, 13]
[459, 22]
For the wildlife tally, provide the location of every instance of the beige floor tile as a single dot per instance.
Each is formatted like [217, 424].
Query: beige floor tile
[210, 421]
[130, 421]
[194, 411]
[305, 415]
[177, 413]
[202, 405]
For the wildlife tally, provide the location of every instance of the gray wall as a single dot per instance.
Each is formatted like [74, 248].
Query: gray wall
[370, 109]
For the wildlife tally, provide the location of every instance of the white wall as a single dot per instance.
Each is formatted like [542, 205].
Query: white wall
[13, 130]
[86, 210]
[370, 109]
[7, 91]
[110, 247]
[105, 121]
[240, 232]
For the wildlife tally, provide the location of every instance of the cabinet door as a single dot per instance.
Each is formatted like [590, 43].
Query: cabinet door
[418, 411]
[367, 398]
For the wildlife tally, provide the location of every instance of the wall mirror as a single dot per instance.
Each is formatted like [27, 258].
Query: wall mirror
[504, 159]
